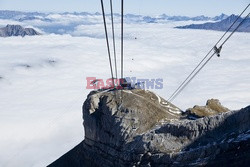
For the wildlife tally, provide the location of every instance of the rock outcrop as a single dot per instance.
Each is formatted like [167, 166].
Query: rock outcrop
[139, 128]
[212, 107]
[17, 30]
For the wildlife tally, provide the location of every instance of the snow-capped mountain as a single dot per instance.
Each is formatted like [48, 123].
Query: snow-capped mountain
[17, 30]
[6, 14]
[222, 25]
[67, 22]
[220, 17]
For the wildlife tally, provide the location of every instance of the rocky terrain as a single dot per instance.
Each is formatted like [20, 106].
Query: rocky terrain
[222, 25]
[17, 30]
[139, 128]
[212, 107]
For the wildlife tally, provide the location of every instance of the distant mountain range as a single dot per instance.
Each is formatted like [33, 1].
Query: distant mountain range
[17, 30]
[222, 25]
[22, 16]
[71, 22]
[197, 18]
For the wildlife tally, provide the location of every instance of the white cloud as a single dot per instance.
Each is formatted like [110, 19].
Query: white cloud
[40, 106]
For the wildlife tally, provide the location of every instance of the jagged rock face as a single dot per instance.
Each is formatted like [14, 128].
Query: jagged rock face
[116, 117]
[17, 30]
[139, 128]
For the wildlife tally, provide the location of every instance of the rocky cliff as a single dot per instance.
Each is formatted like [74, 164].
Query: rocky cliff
[139, 128]
[17, 30]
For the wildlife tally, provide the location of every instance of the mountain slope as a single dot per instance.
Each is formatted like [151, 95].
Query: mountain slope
[139, 128]
[17, 30]
[221, 25]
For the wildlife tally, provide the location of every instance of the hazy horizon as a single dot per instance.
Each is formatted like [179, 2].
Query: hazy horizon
[178, 7]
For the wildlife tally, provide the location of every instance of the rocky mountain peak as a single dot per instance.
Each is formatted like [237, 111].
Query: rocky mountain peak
[220, 17]
[232, 18]
[124, 114]
[213, 106]
[17, 30]
[14, 27]
[139, 128]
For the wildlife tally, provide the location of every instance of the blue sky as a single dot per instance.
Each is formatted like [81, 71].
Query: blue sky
[171, 7]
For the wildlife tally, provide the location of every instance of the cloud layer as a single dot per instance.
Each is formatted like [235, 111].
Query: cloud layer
[43, 79]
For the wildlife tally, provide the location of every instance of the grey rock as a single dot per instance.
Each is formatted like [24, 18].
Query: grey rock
[212, 107]
[17, 30]
[139, 128]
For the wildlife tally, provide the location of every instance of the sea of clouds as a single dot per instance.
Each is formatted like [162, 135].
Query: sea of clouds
[43, 78]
